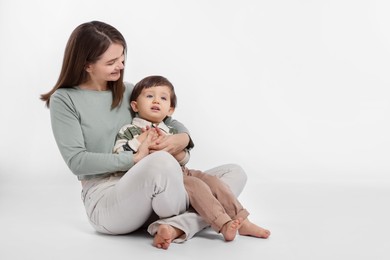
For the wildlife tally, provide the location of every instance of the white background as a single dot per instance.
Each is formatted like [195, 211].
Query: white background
[294, 90]
[288, 89]
[297, 92]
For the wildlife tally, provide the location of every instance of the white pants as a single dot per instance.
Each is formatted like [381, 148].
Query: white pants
[122, 204]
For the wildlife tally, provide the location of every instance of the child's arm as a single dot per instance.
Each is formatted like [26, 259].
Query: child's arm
[127, 139]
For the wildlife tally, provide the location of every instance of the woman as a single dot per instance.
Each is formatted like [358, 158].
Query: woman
[119, 192]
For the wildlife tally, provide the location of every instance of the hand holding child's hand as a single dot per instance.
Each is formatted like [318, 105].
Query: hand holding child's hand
[172, 144]
[149, 137]
[145, 132]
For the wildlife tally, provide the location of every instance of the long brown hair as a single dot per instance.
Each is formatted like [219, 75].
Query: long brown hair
[85, 46]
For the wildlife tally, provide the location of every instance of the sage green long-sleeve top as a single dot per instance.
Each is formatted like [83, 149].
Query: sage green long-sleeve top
[85, 126]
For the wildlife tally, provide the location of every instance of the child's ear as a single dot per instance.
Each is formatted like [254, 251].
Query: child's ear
[134, 106]
[170, 111]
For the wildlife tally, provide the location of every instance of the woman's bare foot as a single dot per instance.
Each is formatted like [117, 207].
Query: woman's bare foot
[164, 236]
[249, 229]
[229, 230]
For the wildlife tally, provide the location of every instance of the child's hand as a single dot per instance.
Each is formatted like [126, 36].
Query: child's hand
[173, 144]
[158, 139]
[142, 136]
[143, 149]
[160, 135]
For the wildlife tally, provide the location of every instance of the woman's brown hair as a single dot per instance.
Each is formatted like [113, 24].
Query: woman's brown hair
[85, 46]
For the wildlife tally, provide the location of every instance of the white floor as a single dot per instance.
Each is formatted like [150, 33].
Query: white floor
[42, 219]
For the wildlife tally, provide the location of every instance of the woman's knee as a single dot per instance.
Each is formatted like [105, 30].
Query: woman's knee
[232, 174]
[240, 172]
[162, 164]
[161, 158]
[240, 179]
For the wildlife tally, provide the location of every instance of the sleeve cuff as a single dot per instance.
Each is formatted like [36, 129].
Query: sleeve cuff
[134, 144]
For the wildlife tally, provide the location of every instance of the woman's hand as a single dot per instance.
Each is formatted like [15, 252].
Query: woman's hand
[172, 144]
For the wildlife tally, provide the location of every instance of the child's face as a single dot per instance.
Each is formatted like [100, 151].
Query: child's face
[153, 104]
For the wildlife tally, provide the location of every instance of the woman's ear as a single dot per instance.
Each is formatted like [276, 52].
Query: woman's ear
[134, 106]
[88, 68]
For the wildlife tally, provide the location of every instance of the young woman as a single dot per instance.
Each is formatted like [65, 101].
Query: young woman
[87, 108]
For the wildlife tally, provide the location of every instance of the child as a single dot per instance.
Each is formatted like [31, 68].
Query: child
[153, 99]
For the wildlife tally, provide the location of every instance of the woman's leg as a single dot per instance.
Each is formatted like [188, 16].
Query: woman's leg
[122, 205]
[190, 222]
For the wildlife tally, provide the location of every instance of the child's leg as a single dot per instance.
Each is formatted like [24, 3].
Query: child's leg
[209, 208]
[229, 229]
[223, 194]
[191, 222]
[231, 205]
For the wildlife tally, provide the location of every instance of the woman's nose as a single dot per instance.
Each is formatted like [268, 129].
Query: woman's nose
[120, 65]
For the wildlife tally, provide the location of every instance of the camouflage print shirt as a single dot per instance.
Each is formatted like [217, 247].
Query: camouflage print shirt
[126, 139]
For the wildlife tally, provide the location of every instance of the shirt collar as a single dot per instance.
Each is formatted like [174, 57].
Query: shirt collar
[142, 123]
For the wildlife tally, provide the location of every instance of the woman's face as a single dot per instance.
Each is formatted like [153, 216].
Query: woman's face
[108, 67]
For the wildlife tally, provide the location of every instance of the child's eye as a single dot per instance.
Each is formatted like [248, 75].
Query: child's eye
[149, 96]
[164, 98]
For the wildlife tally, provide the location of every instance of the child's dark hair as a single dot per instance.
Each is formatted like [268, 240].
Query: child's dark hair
[149, 82]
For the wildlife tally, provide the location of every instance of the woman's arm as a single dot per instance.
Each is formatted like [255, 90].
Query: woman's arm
[174, 144]
[70, 139]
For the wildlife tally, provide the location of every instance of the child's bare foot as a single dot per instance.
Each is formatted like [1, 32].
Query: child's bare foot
[249, 229]
[164, 236]
[229, 230]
